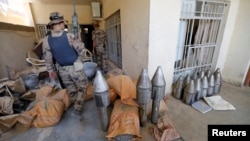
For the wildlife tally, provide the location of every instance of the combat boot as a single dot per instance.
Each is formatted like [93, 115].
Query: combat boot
[76, 114]
[78, 105]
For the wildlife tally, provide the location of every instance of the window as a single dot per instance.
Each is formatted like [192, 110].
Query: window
[113, 30]
[15, 12]
[200, 26]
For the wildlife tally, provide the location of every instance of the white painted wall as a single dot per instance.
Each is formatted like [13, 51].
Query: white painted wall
[228, 32]
[237, 59]
[163, 36]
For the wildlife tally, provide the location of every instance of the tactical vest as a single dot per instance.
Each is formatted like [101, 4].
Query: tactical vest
[63, 53]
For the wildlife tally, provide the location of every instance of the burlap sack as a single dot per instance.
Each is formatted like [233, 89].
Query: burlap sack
[124, 120]
[13, 73]
[164, 130]
[20, 122]
[17, 86]
[115, 72]
[7, 122]
[46, 112]
[49, 106]
[6, 103]
[124, 87]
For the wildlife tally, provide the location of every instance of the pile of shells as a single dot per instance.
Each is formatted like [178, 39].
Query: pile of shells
[192, 88]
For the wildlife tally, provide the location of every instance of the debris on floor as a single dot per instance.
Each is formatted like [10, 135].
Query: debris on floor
[218, 103]
[34, 101]
[164, 130]
[201, 106]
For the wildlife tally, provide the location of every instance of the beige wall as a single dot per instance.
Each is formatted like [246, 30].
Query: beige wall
[135, 31]
[238, 57]
[146, 40]
[14, 47]
[41, 12]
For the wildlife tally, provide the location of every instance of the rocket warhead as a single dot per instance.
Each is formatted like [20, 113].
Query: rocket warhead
[191, 87]
[179, 82]
[217, 76]
[158, 78]
[198, 84]
[201, 74]
[211, 81]
[100, 84]
[204, 82]
[208, 73]
[144, 80]
[187, 80]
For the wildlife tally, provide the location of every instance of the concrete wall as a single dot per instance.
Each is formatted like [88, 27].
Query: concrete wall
[237, 60]
[15, 42]
[135, 32]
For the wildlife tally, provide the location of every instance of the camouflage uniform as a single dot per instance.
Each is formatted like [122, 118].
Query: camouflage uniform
[76, 82]
[99, 37]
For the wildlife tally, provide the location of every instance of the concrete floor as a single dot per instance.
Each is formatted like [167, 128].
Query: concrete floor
[189, 123]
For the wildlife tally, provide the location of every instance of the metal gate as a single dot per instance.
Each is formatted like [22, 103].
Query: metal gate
[113, 29]
[200, 26]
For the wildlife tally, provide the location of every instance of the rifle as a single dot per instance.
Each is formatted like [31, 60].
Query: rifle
[75, 22]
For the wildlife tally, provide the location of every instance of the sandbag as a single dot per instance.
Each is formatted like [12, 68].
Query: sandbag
[124, 121]
[124, 87]
[115, 72]
[20, 122]
[48, 92]
[46, 112]
[7, 122]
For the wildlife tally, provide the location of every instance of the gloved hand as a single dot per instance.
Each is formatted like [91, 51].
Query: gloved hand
[53, 75]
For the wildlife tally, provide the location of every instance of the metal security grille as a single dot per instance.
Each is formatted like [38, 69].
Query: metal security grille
[41, 30]
[113, 30]
[200, 23]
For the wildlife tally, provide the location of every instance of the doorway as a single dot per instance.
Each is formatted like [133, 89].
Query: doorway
[86, 36]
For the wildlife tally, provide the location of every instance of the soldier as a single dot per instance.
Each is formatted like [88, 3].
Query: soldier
[62, 54]
[99, 47]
